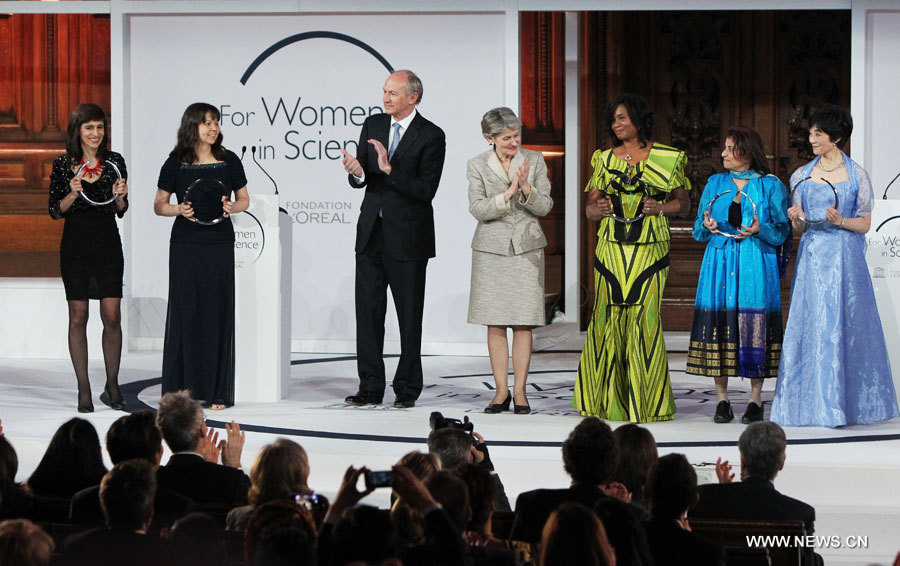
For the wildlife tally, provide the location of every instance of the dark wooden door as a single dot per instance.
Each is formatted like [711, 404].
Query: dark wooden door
[701, 72]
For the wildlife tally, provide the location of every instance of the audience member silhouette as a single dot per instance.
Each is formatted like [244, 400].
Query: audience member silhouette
[22, 543]
[672, 491]
[192, 470]
[134, 436]
[574, 535]
[126, 496]
[72, 461]
[762, 446]
[589, 457]
[280, 472]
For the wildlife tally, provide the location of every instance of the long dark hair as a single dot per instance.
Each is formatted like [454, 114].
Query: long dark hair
[748, 145]
[188, 133]
[72, 462]
[83, 114]
[638, 112]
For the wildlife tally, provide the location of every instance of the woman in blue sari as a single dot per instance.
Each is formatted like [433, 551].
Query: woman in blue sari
[834, 367]
[737, 313]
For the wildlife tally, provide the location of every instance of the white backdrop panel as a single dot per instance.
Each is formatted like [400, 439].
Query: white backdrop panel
[299, 106]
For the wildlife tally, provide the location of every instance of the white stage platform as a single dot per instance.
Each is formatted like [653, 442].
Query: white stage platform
[848, 474]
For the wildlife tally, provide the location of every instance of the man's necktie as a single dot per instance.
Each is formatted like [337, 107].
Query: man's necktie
[395, 141]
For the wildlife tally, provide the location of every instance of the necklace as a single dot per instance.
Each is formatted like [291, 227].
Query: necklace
[835, 168]
[627, 157]
[91, 171]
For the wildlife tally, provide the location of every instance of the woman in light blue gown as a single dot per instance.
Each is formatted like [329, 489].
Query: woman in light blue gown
[834, 367]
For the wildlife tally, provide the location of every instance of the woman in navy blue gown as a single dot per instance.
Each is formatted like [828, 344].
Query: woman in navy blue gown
[834, 365]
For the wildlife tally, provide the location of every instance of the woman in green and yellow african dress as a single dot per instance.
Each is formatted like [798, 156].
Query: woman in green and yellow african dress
[623, 374]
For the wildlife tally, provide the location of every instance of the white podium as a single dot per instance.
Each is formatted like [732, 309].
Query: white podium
[883, 257]
[262, 303]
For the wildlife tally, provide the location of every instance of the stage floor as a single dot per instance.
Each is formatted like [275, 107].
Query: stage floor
[848, 474]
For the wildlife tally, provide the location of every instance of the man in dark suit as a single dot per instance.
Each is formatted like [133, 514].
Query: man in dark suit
[399, 161]
[762, 446]
[192, 469]
[126, 495]
[132, 436]
[589, 456]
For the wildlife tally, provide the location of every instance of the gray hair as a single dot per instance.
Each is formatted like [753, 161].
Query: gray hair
[762, 447]
[180, 419]
[497, 120]
[413, 84]
[451, 446]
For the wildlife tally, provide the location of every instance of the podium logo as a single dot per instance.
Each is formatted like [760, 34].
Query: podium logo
[249, 239]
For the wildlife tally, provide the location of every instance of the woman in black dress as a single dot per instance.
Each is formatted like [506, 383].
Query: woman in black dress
[198, 353]
[90, 253]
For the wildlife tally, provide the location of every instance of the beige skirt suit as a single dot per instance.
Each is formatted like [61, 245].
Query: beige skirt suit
[507, 287]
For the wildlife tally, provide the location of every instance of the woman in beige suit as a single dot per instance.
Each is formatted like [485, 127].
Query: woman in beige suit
[508, 192]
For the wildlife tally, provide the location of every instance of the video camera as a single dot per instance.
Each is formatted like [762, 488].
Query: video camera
[439, 421]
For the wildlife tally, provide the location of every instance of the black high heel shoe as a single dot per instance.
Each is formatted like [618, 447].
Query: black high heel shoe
[495, 408]
[87, 407]
[522, 409]
[114, 405]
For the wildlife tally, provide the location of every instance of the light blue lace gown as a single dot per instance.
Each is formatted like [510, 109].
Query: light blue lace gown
[834, 368]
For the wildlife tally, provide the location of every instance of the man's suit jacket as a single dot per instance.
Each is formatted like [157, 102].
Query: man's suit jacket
[514, 222]
[753, 499]
[673, 546]
[621, 521]
[403, 197]
[202, 481]
[750, 499]
[113, 546]
[168, 507]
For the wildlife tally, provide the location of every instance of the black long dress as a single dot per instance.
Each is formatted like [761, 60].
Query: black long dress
[198, 352]
[90, 252]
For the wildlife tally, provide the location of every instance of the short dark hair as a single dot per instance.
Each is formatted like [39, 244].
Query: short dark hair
[451, 492]
[451, 445]
[482, 491]
[638, 112]
[834, 121]
[589, 453]
[134, 436]
[126, 494]
[672, 487]
[748, 145]
[637, 454]
[189, 134]
[82, 114]
[762, 446]
[180, 419]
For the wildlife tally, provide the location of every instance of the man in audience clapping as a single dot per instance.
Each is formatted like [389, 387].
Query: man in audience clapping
[762, 446]
[193, 468]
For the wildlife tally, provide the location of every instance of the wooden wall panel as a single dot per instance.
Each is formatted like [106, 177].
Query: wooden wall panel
[542, 111]
[764, 69]
[48, 65]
